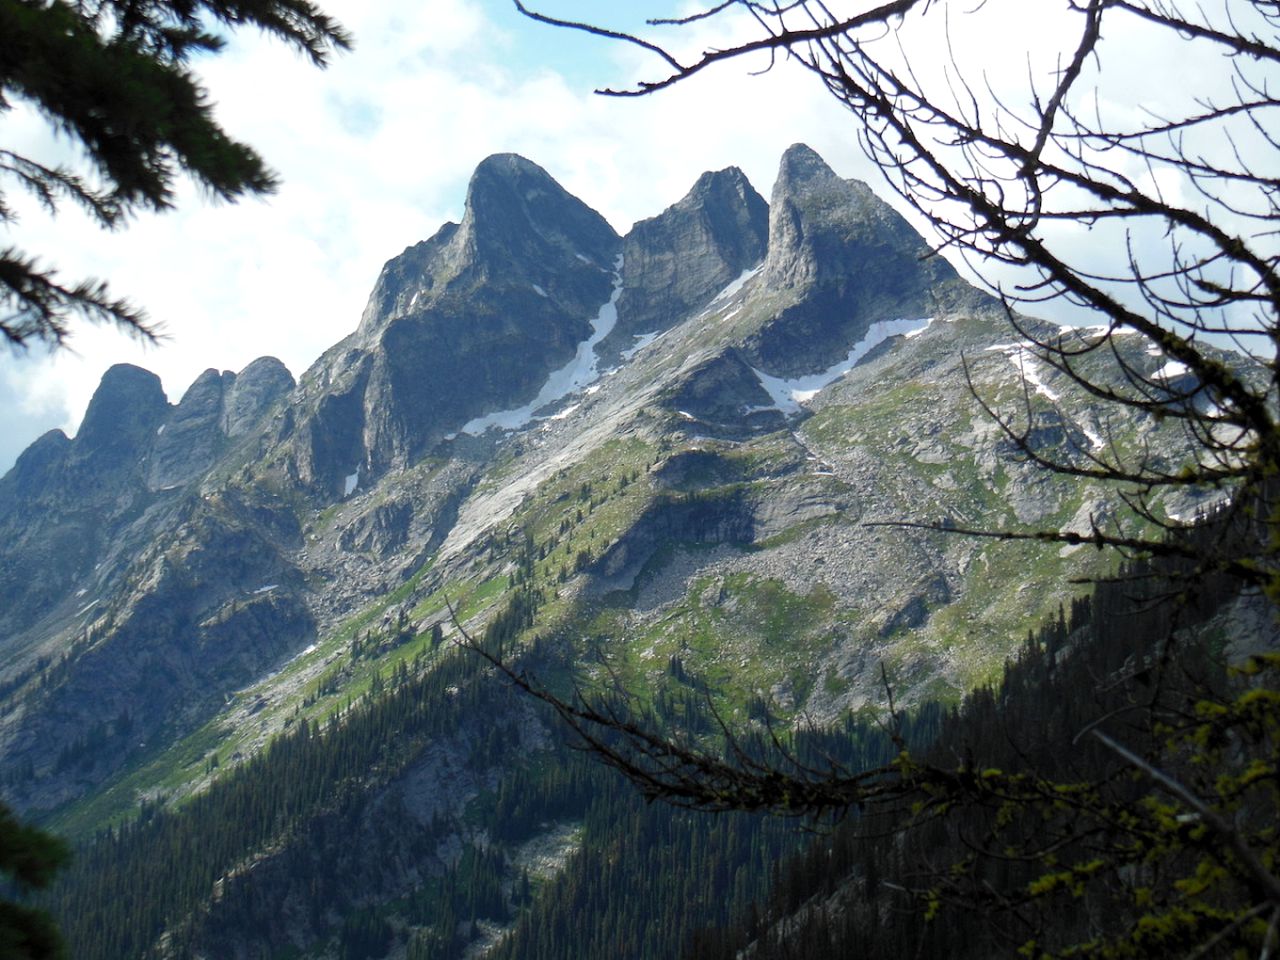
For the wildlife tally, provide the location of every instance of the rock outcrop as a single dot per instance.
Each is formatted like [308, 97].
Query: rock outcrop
[191, 437]
[677, 261]
[119, 424]
[472, 320]
[251, 392]
[169, 556]
[841, 259]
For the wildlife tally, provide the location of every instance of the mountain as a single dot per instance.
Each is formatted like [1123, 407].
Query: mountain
[676, 457]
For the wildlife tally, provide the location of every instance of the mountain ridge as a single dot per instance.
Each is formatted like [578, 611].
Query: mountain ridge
[264, 524]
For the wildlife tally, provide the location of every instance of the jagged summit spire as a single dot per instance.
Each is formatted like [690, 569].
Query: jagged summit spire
[714, 181]
[511, 200]
[845, 259]
[680, 258]
[520, 226]
[801, 164]
[128, 400]
[819, 223]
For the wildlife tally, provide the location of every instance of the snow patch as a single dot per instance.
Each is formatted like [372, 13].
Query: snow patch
[789, 395]
[160, 429]
[1170, 370]
[1098, 330]
[1021, 356]
[919, 330]
[350, 483]
[642, 341]
[539, 291]
[267, 589]
[1095, 441]
[738, 283]
[573, 377]
[1211, 409]
[565, 412]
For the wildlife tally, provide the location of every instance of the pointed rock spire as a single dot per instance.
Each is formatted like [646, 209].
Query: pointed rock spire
[192, 433]
[251, 391]
[679, 259]
[846, 259]
[516, 210]
[469, 322]
[122, 417]
[812, 214]
[800, 165]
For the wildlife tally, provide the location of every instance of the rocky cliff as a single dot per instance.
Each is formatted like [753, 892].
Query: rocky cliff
[686, 428]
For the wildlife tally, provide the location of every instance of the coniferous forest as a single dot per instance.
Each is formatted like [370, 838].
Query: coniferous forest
[638, 879]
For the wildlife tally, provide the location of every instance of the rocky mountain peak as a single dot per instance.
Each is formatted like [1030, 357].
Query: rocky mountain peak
[469, 322]
[845, 259]
[682, 257]
[191, 436]
[723, 183]
[209, 384]
[251, 391]
[812, 214]
[35, 468]
[800, 166]
[520, 227]
[123, 414]
[694, 500]
[516, 209]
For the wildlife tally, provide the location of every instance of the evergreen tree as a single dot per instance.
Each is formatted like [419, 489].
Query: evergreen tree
[30, 858]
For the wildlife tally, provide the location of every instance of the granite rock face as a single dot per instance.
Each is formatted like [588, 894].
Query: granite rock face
[82, 520]
[844, 259]
[520, 228]
[677, 261]
[217, 409]
[191, 437]
[120, 422]
[60, 502]
[690, 472]
[35, 470]
[251, 392]
[467, 322]
[720, 391]
[212, 604]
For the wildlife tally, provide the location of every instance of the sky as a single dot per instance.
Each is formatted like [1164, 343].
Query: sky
[374, 154]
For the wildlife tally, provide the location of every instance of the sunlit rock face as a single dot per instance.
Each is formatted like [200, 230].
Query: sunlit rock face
[688, 426]
[839, 260]
[251, 392]
[677, 261]
[469, 321]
